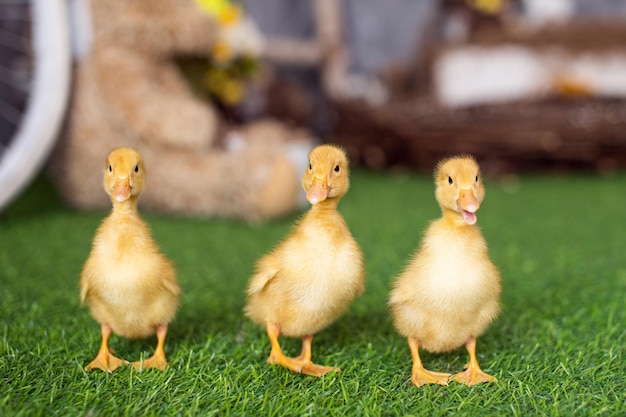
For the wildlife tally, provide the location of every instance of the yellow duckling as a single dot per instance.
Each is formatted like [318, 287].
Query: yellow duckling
[449, 292]
[128, 284]
[311, 278]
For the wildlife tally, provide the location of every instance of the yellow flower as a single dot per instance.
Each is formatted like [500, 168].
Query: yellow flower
[487, 6]
[226, 12]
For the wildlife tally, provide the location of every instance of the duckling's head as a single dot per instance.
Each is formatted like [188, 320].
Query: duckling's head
[124, 174]
[459, 187]
[327, 175]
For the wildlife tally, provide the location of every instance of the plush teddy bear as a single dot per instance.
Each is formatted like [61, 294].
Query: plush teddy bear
[129, 91]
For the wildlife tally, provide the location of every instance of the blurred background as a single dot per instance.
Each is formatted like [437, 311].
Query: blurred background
[524, 85]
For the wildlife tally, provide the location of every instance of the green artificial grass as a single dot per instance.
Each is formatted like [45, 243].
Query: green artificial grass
[557, 348]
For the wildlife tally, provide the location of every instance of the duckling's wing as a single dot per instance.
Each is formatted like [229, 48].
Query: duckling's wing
[267, 268]
[169, 281]
[84, 288]
[86, 278]
[399, 295]
[261, 279]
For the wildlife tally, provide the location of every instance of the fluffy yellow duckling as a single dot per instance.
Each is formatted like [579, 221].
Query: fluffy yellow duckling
[128, 284]
[311, 278]
[449, 292]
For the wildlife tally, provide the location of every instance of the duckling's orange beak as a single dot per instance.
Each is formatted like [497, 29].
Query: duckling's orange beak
[468, 205]
[318, 191]
[121, 189]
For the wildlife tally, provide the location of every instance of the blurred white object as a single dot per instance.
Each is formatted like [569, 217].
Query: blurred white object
[479, 75]
[603, 73]
[360, 87]
[490, 75]
[541, 12]
[81, 28]
[49, 89]
[243, 38]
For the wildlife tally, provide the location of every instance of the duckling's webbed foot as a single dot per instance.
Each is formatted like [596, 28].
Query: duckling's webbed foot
[317, 370]
[472, 374]
[157, 360]
[421, 376]
[154, 362]
[300, 364]
[105, 360]
[310, 368]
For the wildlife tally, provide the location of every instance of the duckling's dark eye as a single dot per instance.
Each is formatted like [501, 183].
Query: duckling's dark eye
[336, 168]
[310, 167]
[476, 178]
[136, 168]
[450, 180]
[110, 168]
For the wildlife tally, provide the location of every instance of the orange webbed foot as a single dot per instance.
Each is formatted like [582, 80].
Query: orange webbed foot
[157, 360]
[419, 375]
[106, 362]
[423, 376]
[317, 370]
[473, 376]
[301, 364]
[154, 362]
